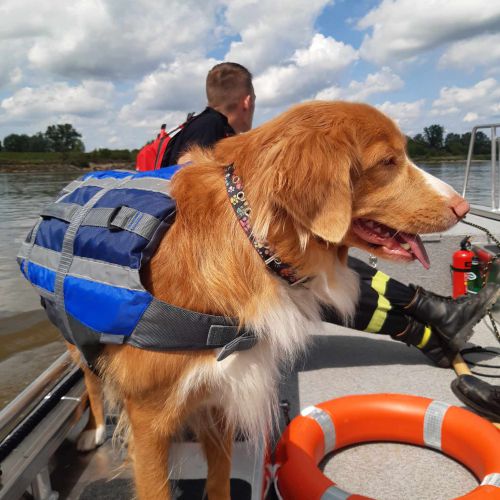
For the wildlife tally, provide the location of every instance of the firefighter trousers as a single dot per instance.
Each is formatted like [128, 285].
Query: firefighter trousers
[381, 302]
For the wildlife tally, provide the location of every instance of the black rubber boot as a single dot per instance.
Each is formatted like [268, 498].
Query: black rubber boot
[482, 397]
[424, 339]
[452, 319]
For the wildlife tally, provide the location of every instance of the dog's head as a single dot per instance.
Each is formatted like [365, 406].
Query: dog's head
[341, 171]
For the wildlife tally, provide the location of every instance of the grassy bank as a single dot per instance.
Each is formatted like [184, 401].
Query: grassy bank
[95, 160]
[103, 159]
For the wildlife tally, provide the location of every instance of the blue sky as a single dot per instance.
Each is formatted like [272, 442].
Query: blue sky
[116, 69]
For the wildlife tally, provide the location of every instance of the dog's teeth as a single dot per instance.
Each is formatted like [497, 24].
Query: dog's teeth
[370, 223]
[406, 246]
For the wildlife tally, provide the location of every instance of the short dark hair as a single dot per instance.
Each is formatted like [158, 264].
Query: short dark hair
[226, 84]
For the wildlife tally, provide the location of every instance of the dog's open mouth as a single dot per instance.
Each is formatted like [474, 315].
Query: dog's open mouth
[395, 244]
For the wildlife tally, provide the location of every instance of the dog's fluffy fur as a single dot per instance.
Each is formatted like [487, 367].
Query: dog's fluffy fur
[307, 175]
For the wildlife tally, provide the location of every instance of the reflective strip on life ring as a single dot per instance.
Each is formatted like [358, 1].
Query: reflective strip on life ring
[335, 424]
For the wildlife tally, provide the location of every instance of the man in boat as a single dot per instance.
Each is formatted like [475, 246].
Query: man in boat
[437, 325]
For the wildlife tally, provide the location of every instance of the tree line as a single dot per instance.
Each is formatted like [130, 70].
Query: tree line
[433, 142]
[63, 138]
[60, 138]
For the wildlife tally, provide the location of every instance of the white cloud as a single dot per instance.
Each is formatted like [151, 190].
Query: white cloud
[333, 93]
[106, 38]
[405, 114]
[308, 71]
[383, 81]
[402, 29]
[270, 30]
[89, 98]
[469, 104]
[471, 117]
[15, 76]
[168, 94]
[483, 50]
[11, 53]
[58, 59]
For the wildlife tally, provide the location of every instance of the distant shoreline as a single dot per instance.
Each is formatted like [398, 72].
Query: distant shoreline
[449, 159]
[16, 167]
[55, 167]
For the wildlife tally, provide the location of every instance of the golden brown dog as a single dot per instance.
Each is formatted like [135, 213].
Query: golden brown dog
[321, 177]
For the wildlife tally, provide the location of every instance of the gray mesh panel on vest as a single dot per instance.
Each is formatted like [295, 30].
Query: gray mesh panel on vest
[164, 326]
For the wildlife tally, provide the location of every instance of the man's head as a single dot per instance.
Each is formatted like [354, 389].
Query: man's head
[230, 91]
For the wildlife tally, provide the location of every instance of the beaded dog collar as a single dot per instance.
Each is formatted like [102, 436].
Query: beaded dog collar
[242, 210]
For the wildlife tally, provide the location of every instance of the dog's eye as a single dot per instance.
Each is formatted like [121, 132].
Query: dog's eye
[389, 161]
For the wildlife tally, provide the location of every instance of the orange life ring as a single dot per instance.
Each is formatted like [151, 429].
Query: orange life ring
[341, 422]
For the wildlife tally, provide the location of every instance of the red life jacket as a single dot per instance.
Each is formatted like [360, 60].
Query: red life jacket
[151, 155]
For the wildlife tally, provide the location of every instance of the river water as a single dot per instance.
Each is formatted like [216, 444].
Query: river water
[27, 342]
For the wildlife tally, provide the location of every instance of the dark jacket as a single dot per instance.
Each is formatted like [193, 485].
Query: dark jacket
[205, 129]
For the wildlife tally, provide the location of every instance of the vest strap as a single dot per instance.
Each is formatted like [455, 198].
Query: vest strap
[167, 327]
[122, 217]
[62, 211]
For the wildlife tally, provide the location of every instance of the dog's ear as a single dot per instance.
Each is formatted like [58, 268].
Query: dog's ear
[302, 162]
[332, 219]
[317, 190]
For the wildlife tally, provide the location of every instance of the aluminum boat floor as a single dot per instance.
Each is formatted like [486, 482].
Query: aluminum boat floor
[343, 362]
[340, 362]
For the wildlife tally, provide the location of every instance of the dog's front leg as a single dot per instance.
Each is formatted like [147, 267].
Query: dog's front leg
[216, 438]
[94, 433]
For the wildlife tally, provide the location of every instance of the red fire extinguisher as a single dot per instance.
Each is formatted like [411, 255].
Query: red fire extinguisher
[461, 267]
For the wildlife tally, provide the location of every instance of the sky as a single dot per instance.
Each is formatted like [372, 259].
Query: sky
[117, 69]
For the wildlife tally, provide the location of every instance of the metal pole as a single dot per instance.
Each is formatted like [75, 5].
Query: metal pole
[469, 158]
[493, 167]
[498, 172]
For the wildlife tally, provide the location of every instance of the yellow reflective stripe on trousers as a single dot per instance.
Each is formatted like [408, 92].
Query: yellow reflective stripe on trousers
[379, 283]
[425, 338]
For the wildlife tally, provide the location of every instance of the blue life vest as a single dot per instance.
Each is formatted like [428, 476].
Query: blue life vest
[84, 257]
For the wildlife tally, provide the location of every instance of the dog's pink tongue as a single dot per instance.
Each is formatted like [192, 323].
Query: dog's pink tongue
[417, 247]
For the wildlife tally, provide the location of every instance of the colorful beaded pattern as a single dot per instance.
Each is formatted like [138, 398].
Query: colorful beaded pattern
[242, 210]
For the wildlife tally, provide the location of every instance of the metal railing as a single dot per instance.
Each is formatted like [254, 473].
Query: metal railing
[495, 195]
[26, 399]
[33, 426]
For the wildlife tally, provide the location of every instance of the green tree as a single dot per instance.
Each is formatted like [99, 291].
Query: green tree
[434, 135]
[39, 143]
[17, 142]
[417, 146]
[453, 144]
[0, 145]
[482, 143]
[63, 138]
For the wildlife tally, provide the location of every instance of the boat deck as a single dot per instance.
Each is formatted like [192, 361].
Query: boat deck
[339, 362]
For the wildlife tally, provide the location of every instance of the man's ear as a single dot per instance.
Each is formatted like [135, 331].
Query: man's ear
[247, 101]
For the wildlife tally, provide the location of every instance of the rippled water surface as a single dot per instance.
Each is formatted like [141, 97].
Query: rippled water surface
[21, 198]
[22, 195]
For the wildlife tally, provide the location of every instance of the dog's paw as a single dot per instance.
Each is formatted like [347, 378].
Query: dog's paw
[91, 438]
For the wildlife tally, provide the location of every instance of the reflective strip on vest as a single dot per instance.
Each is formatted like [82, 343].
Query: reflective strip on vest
[326, 424]
[85, 254]
[156, 181]
[90, 269]
[433, 423]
